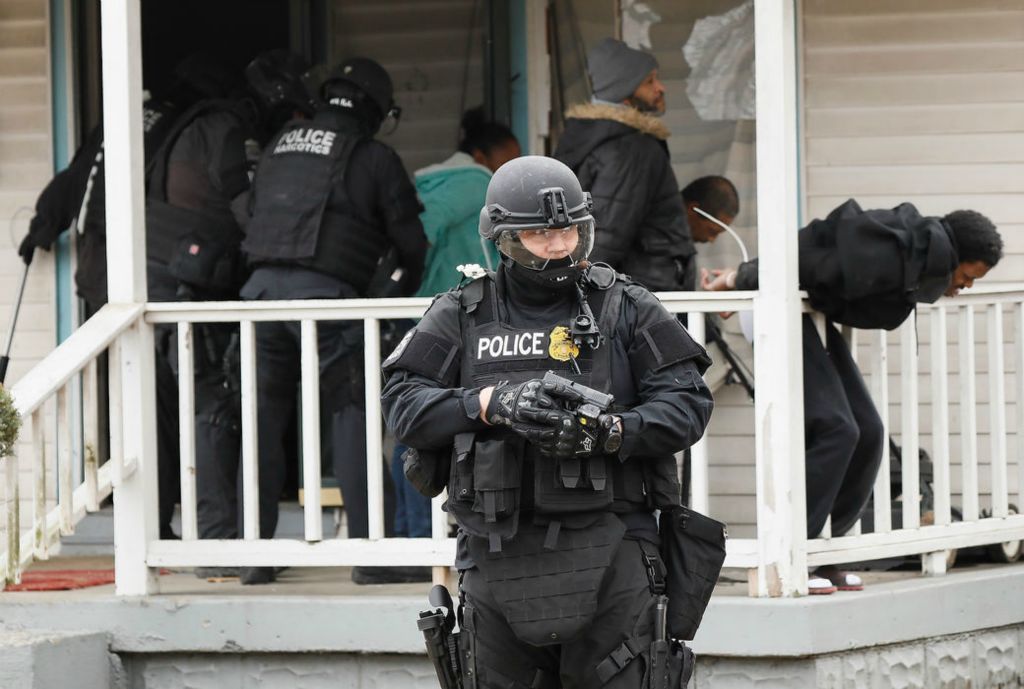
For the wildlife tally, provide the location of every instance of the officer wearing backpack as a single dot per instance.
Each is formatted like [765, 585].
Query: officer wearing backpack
[867, 269]
[328, 204]
[557, 542]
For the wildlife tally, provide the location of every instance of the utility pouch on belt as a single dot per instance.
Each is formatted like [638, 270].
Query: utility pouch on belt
[693, 549]
[427, 470]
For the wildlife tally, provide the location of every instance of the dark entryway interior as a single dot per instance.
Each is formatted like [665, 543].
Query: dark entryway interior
[236, 30]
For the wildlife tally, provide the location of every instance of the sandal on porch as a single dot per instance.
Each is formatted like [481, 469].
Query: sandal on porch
[842, 581]
[820, 586]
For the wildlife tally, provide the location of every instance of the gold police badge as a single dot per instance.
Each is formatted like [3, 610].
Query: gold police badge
[561, 347]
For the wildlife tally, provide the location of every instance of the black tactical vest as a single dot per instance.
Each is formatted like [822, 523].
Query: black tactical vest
[301, 213]
[494, 474]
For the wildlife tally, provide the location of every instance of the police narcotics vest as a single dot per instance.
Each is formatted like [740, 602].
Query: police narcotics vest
[302, 214]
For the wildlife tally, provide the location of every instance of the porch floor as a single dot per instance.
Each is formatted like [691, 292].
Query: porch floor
[337, 581]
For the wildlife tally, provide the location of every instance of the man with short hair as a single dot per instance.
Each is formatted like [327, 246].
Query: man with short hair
[617, 147]
[716, 196]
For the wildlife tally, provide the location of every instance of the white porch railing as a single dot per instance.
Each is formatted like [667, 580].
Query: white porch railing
[118, 327]
[941, 327]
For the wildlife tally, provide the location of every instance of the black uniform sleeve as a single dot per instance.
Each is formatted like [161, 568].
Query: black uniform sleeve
[398, 205]
[675, 403]
[746, 275]
[61, 199]
[420, 404]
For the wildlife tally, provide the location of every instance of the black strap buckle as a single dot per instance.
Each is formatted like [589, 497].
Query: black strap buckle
[617, 659]
[654, 576]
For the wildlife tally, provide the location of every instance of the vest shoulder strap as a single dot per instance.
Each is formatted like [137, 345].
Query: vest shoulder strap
[476, 298]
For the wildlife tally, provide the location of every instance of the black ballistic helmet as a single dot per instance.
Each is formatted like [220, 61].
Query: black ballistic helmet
[276, 78]
[371, 83]
[542, 196]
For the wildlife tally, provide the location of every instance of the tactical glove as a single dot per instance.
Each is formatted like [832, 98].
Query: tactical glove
[527, 410]
[27, 249]
[510, 400]
[595, 433]
[557, 436]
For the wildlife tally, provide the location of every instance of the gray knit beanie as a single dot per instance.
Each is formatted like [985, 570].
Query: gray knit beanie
[616, 69]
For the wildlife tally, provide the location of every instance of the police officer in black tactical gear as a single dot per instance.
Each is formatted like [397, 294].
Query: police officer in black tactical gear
[194, 253]
[557, 542]
[328, 203]
[76, 198]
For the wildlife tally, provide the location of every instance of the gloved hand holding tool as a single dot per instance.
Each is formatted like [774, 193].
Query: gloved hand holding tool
[528, 410]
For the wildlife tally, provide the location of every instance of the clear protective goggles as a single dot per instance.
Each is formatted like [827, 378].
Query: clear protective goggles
[536, 247]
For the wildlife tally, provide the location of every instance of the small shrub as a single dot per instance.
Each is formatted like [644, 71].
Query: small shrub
[10, 423]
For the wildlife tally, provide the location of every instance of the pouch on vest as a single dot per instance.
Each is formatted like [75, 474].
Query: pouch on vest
[215, 269]
[497, 471]
[693, 550]
[426, 470]
[555, 493]
[460, 481]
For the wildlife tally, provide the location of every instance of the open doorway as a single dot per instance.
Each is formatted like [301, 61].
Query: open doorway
[236, 30]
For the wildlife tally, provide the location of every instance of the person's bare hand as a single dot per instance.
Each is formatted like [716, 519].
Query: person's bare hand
[718, 280]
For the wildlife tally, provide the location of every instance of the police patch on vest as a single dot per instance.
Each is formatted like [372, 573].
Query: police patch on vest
[526, 345]
[561, 347]
[306, 140]
[520, 345]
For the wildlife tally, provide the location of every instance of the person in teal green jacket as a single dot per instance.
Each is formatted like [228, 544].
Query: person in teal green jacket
[452, 193]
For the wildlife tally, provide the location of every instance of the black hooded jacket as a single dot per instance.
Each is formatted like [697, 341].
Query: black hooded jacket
[869, 269]
[620, 157]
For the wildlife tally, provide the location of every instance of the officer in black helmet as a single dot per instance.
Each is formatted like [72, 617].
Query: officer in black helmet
[194, 253]
[76, 198]
[557, 542]
[328, 203]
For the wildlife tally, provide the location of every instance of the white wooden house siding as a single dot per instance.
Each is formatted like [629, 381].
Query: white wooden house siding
[424, 46]
[25, 167]
[923, 101]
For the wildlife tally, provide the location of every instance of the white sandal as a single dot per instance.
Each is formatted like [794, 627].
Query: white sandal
[820, 586]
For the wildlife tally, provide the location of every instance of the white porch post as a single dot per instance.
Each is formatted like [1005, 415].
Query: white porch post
[135, 512]
[781, 512]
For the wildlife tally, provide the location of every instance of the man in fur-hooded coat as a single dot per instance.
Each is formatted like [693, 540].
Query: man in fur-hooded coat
[617, 147]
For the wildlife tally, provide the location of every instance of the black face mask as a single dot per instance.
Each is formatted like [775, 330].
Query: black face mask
[559, 277]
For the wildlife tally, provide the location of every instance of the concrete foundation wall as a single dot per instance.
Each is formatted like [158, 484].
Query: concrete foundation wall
[991, 659]
[49, 660]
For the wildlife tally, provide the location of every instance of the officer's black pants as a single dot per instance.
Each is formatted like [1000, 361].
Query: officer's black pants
[502, 661]
[843, 433]
[278, 360]
[167, 437]
[218, 435]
